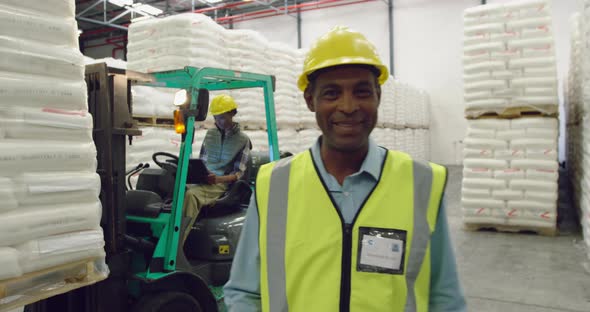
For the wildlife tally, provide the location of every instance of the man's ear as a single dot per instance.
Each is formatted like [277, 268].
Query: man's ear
[308, 96]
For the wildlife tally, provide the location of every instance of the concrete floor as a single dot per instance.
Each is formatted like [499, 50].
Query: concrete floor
[517, 272]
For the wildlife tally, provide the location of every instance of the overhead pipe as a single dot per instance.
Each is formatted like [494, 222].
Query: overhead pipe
[242, 3]
[305, 10]
[287, 9]
[303, 7]
[221, 7]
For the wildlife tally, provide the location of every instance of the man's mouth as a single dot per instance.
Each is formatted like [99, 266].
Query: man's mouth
[347, 123]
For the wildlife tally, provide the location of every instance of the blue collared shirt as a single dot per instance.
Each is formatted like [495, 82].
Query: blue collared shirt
[242, 291]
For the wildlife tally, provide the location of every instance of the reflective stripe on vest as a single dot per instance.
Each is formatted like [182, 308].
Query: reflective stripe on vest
[275, 198]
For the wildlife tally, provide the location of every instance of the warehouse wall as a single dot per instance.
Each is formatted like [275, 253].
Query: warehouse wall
[316, 23]
[428, 38]
[282, 28]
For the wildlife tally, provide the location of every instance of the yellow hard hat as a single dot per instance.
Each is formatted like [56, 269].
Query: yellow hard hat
[222, 103]
[341, 46]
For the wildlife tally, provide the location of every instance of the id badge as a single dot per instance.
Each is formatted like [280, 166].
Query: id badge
[381, 250]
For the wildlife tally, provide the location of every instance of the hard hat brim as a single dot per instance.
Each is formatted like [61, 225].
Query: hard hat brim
[303, 80]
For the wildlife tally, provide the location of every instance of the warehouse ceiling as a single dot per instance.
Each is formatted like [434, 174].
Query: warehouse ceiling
[107, 18]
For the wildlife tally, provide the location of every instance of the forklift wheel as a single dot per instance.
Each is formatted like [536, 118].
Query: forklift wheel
[168, 301]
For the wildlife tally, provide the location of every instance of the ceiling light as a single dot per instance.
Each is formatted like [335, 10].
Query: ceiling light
[213, 1]
[149, 9]
[121, 3]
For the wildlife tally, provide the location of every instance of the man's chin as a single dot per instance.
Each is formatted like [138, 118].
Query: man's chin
[348, 146]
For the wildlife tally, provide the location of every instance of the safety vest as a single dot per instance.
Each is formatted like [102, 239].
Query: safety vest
[310, 260]
[222, 151]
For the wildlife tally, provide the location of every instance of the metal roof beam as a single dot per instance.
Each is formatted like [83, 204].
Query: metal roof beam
[89, 20]
[90, 7]
[119, 16]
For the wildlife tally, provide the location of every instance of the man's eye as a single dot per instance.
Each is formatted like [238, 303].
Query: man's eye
[329, 93]
[364, 93]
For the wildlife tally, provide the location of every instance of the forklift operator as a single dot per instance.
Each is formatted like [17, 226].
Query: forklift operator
[225, 151]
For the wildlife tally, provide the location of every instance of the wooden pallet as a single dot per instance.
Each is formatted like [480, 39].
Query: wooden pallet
[36, 286]
[154, 121]
[516, 112]
[543, 231]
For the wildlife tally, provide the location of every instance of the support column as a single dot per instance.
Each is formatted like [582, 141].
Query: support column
[391, 45]
[298, 26]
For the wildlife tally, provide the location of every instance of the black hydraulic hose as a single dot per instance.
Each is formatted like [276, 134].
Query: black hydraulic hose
[132, 172]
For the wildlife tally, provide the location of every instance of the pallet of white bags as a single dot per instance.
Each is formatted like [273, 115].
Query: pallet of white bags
[550, 110]
[40, 285]
[506, 228]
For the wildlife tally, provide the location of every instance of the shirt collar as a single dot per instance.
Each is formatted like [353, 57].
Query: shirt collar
[371, 164]
[230, 131]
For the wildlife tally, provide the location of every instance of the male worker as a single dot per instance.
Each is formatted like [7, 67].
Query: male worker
[225, 152]
[347, 225]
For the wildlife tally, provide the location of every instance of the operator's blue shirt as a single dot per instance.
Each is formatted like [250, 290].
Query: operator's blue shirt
[242, 291]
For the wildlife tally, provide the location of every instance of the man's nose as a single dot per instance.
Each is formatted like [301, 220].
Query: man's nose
[348, 104]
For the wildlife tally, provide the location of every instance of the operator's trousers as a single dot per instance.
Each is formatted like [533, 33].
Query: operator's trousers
[198, 196]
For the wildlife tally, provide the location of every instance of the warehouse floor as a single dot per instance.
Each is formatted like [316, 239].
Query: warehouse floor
[518, 272]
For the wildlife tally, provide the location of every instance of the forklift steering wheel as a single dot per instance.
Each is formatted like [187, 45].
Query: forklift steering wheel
[167, 162]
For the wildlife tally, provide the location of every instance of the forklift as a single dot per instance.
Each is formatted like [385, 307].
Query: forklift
[149, 269]
[165, 278]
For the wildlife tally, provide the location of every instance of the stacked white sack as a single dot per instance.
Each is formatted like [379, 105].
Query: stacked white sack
[288, 140]
[251, 110]
[176, 41]
[246, 51]
[48, 183]
[158, 139]
[387, 105]
[509, 58]
[259, 139]
[282, 60]
[307, 138]
[151, 101]
[306, 118]
[510, 172]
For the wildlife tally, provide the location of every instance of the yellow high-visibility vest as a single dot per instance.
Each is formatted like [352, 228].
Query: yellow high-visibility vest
[310, 260]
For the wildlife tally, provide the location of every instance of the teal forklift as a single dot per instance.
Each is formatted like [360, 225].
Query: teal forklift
[165, 275]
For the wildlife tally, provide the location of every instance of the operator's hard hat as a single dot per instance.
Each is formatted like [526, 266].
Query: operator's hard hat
[341, 46]
[221, 104]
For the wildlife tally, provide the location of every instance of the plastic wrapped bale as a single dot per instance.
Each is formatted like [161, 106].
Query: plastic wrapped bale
[509, 59]
[48, 181]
